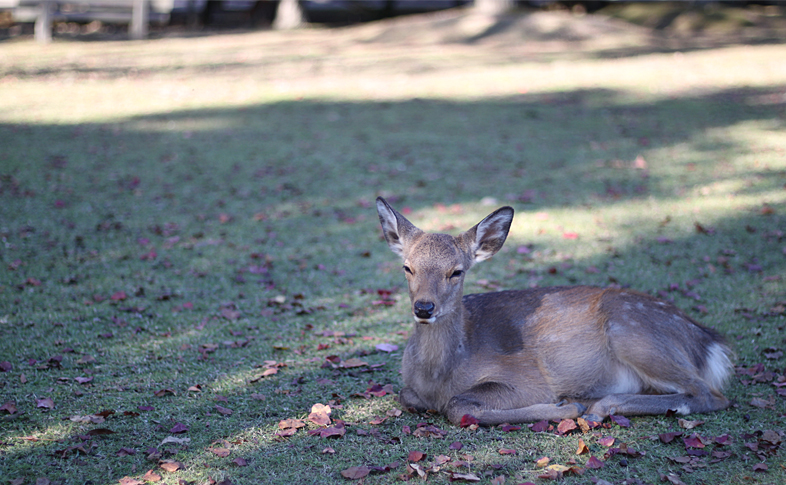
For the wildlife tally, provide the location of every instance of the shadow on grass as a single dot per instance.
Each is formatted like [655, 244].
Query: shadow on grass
[243, 205]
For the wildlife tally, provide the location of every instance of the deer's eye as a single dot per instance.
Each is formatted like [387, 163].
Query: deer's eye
[457, 273]
[407, 270]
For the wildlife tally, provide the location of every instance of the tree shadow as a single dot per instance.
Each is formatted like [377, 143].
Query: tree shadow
[215, 192]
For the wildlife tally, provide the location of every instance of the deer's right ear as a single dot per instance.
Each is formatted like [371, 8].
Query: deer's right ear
[397, 229]
[488, 236]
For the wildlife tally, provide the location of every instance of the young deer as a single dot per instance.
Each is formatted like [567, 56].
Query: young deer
[543, 353]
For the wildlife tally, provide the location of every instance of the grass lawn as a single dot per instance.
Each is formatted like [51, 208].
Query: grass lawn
[191, 256]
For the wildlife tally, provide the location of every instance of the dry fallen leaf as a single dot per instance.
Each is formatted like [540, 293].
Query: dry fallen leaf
[131, 481]
[151, 476]
[594, 464]
[355, 472]
[171, 465]
[45, 403]
[606, 441]
[415, 455]
[468, 477]
[352, 363]
[684, 423]
[320, 414]
[291, 423]
[219, 451]
[583, 448]
[542, 462]
[224, 411]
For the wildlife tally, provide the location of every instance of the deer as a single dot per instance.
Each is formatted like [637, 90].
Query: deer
[544, 353]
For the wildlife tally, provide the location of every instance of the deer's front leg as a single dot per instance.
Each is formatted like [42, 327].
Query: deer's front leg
[411, 401]
[493, 403]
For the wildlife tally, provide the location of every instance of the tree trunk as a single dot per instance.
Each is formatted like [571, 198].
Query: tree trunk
[139, 19]
[494, 7]
[289, 15]
[43, 24]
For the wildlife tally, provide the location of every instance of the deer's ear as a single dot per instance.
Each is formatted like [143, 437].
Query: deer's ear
[398, 231]
[488, 236]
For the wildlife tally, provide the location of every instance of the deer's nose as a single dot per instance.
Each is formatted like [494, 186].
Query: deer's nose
[423, 309]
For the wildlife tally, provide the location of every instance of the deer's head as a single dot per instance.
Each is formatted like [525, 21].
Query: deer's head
[435, 264]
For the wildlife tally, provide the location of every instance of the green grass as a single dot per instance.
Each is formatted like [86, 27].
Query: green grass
[249, 163]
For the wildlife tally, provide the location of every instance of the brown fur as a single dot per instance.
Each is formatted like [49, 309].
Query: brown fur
[545, 353]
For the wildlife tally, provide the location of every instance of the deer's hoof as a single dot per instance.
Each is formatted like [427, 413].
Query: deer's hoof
[592, 417]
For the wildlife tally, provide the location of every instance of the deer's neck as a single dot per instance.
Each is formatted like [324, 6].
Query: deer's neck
[440, 344]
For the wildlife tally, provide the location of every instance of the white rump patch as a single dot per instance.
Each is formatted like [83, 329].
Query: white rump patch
[718, 367]
[625, 382]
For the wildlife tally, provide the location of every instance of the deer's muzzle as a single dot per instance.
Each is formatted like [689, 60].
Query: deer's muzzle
[424, 310]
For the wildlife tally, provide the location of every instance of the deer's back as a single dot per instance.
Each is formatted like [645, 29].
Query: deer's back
[585, 341]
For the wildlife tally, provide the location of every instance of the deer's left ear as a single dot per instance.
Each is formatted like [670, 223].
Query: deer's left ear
[488, 236]
[399, 232]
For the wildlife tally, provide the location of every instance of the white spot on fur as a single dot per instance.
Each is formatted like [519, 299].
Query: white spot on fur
[684, 409]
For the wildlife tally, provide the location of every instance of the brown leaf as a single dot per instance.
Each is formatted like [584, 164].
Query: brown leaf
[171, 466]
[320, 414]
[415, 456]
[467, 477]
[219, 451]
[224, 411]
[9, 407]
[440, 460]
[606, 441]
[771, 437]
[760, 467]
[230, 314]
[539, 427]
[86, 359]
[164, 392]
[566, 425]
[673, 479]
[594, 464]
[507, 451]
[291, 424]
[151, 476]
[333, 431]
[131, 481]
[240, 462]
[583, 448]
[45, 403]
[669, 437]
[684, 423]
[355, 472]
[763, 404]
[352, 363]
[99, 432]
[551, 474]
[542, 462]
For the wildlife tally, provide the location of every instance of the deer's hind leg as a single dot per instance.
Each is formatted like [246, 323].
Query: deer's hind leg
[494, 403]
[649, 404]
